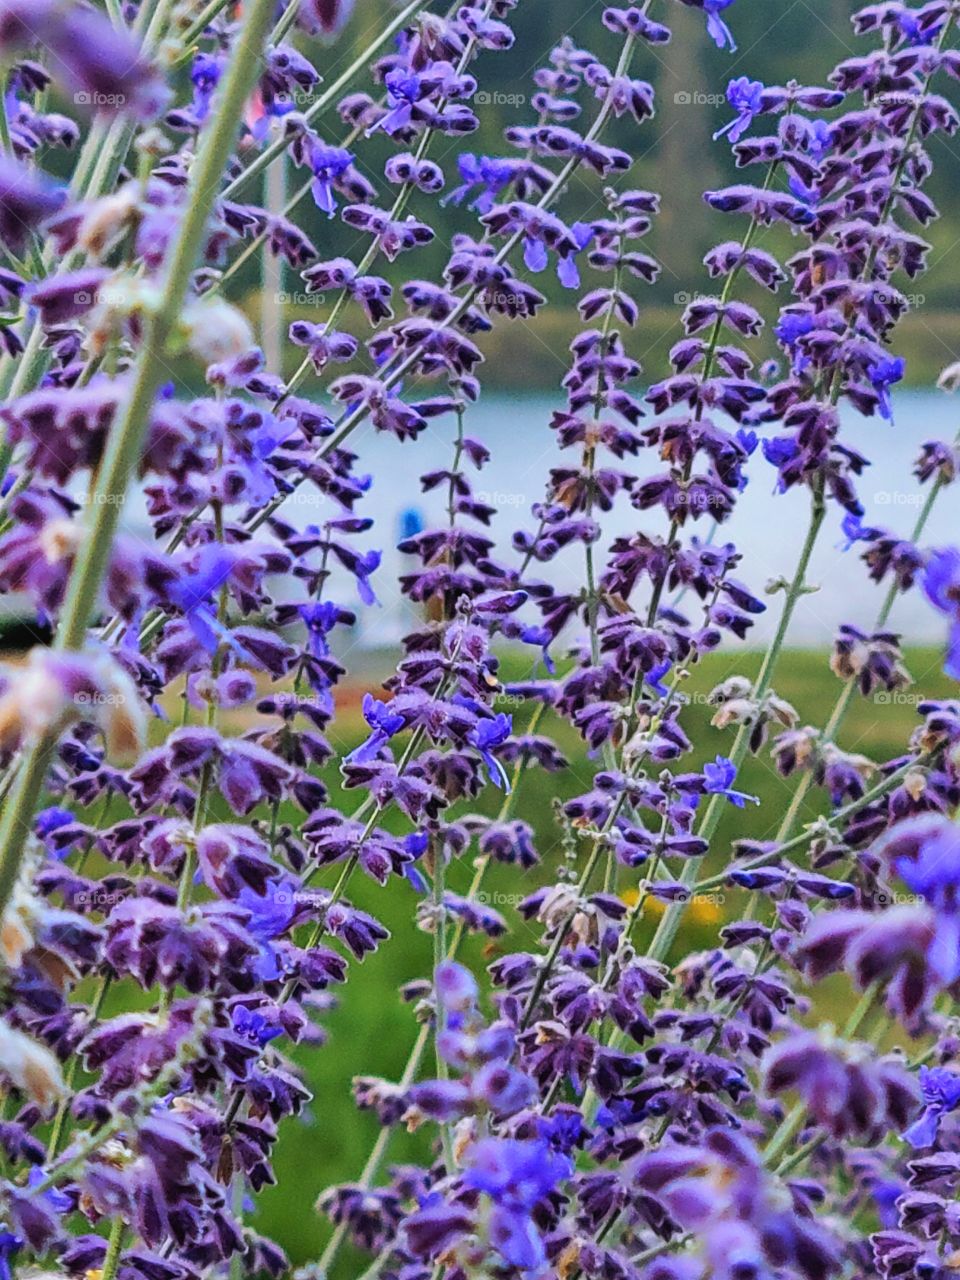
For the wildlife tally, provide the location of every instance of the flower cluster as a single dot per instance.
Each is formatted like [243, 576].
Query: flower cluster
[189, 811]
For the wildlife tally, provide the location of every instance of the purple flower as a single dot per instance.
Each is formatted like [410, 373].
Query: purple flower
[383, 721]
[721, 33]
[328, 164]
[26, 200]
[941, 582]
[746, 98]
[883, 374]
[719, 778]
[941, 1095]
[516, 1176]
[324, 17]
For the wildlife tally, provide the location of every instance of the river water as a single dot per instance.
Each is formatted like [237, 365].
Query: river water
[768, 528]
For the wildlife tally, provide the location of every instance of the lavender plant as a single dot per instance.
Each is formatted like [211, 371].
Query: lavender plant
[177, 900]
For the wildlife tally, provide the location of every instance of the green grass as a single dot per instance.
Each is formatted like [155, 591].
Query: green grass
[372, 1030]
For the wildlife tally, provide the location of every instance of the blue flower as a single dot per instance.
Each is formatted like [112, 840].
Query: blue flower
[251, 1025]
[271, 914]
[653, 679]
[327, 164]
[746, 97]
[487, 735]
[366, 565]
[722, 35]
[932, 867]
[9, 1245]
[941, 1094]
[855, 531]
[516, 1175]
[47, 822]
[415, 845]
[319, 619]
[384, 723]
[941, 582]
[883, 374]
[487, 172]
[403, 90]
[719, 778]
[790, 330]
[204, 76]
[779, 449]
[191, 593]
[567, 271]
[542, 637]
[58, 1201]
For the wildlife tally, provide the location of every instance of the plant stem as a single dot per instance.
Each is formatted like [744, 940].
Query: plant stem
[798, 841]
[277, 148]
[419, 1049]
[439, 955]
[123, 448]
[111, 1260]
[845, 697]
[670, 920]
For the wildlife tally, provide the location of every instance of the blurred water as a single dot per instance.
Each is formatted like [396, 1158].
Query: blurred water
[768, 528]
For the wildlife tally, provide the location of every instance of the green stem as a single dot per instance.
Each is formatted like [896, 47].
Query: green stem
[845, 697]
[123, 448]
[204, 18]
[114, 1246]
[670, 920]
[804, 837]
[439, 955]
[789, 1128]
[70, 1074]
[279, 146]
